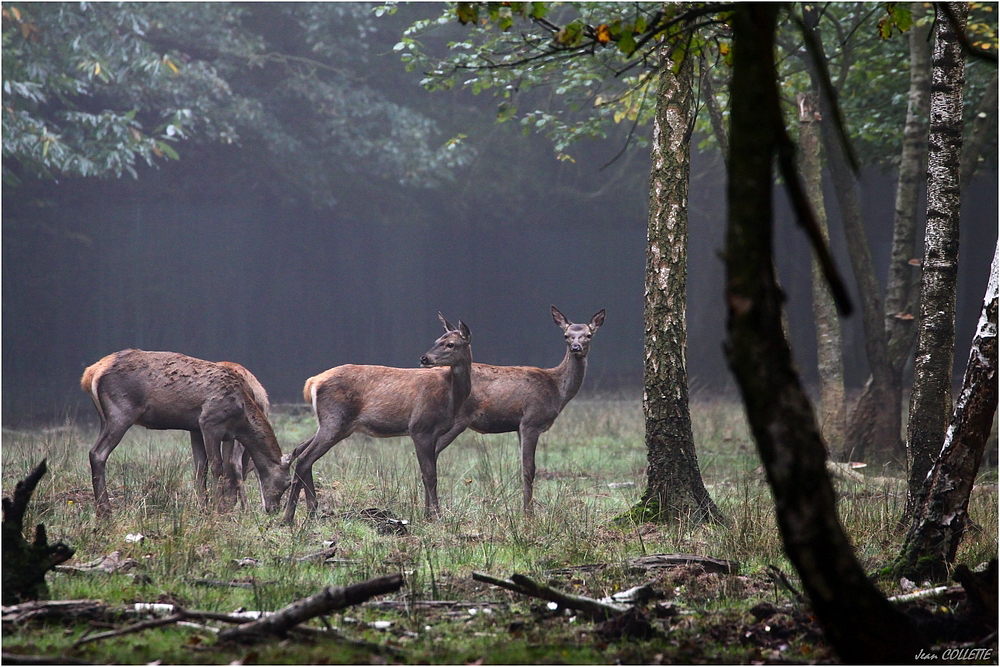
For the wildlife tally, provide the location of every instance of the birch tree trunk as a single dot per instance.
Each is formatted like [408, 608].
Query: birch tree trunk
[942, 512]
[859, 623]
[674, 488]
[930, 401]
[829, 352]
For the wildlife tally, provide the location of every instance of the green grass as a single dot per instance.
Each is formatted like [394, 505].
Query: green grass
[591, 468]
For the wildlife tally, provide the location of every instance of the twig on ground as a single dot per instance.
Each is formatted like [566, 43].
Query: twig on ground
[779, 579]
[329, 599]
[130, 629]
[525, 586]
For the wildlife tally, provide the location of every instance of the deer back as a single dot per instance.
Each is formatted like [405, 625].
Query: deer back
[378, 400]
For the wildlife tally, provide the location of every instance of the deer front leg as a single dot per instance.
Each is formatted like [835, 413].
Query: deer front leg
[528, 437]
[427, 459]
[213, 437]
[200, 459]
[232, 470]
[309, 452]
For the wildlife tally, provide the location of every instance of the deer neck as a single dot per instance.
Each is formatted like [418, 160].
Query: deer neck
[461, 385]
[569, 376]
[261, 443]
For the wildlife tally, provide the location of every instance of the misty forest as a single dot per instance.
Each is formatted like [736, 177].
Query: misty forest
[499, 332]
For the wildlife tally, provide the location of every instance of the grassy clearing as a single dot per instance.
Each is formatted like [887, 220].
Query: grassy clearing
[591, 468]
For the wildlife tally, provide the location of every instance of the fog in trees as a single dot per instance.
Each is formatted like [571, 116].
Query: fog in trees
[218, 255]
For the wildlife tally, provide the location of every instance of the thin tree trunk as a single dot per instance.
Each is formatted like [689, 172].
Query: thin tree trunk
[674, 486]
[873, 431]
[930, 401]
[942, 513]
[829, 353]
[900, 291]
[858, 622]
[986, 118]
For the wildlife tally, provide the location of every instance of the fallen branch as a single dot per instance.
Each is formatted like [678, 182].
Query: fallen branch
[521, 584]
[927, 593]
[707, 563]
[20, 659]
[328, 600]
[131, 629]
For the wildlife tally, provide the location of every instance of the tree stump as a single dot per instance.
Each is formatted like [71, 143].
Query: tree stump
[24, 563]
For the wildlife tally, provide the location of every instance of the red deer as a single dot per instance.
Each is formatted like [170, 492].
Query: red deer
[167, 390]
[236, 461]
[384, 403]
[526, 399]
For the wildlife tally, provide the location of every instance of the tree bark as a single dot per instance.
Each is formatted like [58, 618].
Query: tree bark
[858, 622]
[829, 352]
[870, 431]
[674, 488]
[930, 401]
[942, 513]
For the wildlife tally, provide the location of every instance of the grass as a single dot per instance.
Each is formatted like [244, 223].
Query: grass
[591, 468]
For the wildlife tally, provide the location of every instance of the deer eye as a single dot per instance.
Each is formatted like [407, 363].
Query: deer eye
[449, 345]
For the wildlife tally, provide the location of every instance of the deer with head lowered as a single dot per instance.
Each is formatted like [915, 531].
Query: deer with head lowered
[525, 399]
[236, 461]
[167, 390]
[385, 402]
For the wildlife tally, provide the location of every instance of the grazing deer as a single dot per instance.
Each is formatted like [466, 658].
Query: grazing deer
[236, 461]
[388, 402]
[526, 399]
[167, 390]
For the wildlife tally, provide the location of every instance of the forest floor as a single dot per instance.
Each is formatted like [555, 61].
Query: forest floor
[167, 549]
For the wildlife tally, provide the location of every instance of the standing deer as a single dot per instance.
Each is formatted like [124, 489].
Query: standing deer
[167, 390]
[526, 399]
[388, 402]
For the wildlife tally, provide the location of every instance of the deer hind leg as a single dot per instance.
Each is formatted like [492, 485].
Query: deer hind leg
[528, 437]
[114, 424]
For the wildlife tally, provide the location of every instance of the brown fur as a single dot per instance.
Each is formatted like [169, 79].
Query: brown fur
[167, 390]
[385, 402]
[525, 399]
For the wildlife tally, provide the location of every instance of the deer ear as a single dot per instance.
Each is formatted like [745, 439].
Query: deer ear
[560, 319]
[464, 330]
[597, 320]
[448, 326]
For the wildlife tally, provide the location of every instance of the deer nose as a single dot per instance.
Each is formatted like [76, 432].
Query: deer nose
[576, 347]
[424, 361]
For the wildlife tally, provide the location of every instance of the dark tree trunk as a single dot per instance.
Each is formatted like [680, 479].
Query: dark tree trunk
[901, 292]
[859, 623]
[829, 352]
[942, 512]
[869, 431]
[24, 563]
[674, 488]
[930, 401]
[986, 118]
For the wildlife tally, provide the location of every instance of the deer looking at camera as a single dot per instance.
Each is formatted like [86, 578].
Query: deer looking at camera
[167, 390]
[526, 399]
[387, 402]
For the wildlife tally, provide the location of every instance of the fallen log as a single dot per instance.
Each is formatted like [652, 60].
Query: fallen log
[42, 610]
[24, 563]
[707, 563]
[519, 583]
[330, 599]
